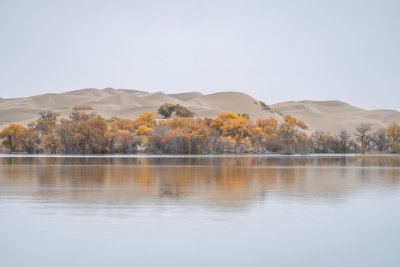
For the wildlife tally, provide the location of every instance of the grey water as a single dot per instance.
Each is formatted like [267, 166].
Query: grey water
[200, 211]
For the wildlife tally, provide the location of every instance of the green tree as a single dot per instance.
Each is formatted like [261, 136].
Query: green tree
[244, 115]
[166, 110]
[183, 112]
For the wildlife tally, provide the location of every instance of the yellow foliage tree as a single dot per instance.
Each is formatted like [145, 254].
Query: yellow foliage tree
[51, 142]
[187, 136]
[269, 128]
[392, 145]
[144, 125]
[31, 141]
[122, 124]
[232, 125]
[146, 119]
[288, 131]
[92, 136]
[257, 137]
[47, 121]
[13, 135]
[393, 132]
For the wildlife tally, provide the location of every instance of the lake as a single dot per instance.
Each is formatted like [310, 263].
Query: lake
[200, 211]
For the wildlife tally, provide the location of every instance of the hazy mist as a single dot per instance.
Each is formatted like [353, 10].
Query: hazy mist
[273, 50]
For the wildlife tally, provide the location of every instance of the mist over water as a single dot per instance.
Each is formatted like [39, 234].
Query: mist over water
[200, 211]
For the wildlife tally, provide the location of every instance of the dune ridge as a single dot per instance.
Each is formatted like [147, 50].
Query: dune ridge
[330, 116]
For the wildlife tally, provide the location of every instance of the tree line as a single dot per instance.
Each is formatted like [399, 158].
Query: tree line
[89, 133]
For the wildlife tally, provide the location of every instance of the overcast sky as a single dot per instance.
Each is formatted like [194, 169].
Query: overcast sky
[273, 50]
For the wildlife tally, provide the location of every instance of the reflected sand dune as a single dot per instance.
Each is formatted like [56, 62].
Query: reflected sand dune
[210, 181]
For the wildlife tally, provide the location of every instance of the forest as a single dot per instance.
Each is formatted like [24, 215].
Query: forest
[86, 132]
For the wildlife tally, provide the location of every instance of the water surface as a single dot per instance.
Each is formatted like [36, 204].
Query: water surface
[200, 211]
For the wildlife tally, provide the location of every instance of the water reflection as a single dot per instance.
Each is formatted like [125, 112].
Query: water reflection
[233, 182]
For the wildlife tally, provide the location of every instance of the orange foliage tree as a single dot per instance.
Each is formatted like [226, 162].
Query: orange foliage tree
[236, 127]
[393, 132]
[12, 136]
[30, 141]
[186, 136]
[144, 125]
[288, 130]
[86, 132]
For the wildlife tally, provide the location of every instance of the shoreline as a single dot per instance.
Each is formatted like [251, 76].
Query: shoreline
[320, 155]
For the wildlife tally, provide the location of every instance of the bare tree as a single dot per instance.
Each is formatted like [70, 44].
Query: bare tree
[363, 136]
[31, 141]
[316, 139]
[379, 139]
[353, 146]
[156, 137]
[343, 141]
[333, 144]
[46, 121]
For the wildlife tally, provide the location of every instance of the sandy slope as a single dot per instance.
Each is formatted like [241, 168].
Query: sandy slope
[127, 104]
[330, 116]
[334, 116]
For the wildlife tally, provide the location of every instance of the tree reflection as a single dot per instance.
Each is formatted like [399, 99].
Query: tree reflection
[212, 181]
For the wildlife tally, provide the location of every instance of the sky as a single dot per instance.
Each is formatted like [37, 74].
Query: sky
[275, 51]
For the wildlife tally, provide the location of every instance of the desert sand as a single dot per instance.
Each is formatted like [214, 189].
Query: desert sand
[329, 116]
[334, 116]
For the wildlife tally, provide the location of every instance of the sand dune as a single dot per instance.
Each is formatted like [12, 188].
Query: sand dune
[125, 103]
[334, 116]
[330, 116]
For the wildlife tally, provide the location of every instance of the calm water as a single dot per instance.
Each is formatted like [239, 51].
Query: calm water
[200, 211]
